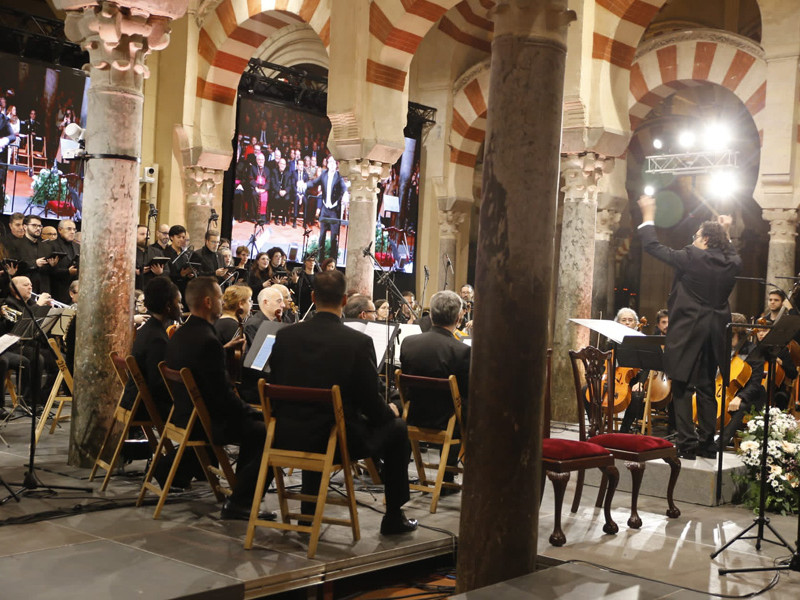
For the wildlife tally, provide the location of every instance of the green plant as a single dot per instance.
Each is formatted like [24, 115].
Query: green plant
[48, 185]
[783, 457]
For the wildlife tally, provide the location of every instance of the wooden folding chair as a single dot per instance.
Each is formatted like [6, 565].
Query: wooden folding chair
[63, 376]
[126, 417]
[12, 390]
[38, 153]
[323, 463]
[22, 156]
[179, 382]
[445, 437]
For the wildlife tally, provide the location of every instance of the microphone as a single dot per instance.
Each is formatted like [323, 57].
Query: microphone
[153, 211]
[214, 216]
[449, 264]
[365, 251]
[427, 274]
[758, 279]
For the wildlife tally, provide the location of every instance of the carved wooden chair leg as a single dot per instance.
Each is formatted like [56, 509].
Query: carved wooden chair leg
[674, 470]
[637, 472]
[601, 491]
[576, 499]
[612, 474]
[557, 538]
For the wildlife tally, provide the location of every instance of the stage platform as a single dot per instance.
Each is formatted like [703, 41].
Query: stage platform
[123, 553]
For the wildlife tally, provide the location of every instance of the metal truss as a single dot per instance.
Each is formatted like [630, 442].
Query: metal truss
[40, 38]
[692, 163]
[287, 84]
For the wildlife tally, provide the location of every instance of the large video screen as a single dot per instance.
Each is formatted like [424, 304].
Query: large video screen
[283, 195]
[40, 100]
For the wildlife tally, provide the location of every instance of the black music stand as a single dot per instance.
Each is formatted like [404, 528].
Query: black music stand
[781, 333]
[28, 326]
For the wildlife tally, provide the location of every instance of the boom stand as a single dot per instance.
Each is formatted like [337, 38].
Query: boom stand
[253, 237]
[782, 332]
[386, 280]
[31, 481]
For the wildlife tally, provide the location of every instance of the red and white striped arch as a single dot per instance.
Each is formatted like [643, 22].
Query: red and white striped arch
[693, 58]
[396, 29]
[232, 34]
[618, 28]
[468, 128]
[468, 23]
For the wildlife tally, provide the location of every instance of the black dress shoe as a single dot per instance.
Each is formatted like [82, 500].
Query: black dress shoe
[687, 454]
[707, 452]
[231, 511]
[396, 523]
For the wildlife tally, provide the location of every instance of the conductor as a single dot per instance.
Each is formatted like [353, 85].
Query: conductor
[705, 273]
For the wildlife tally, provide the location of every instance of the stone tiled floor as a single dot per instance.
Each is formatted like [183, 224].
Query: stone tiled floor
[124, 553]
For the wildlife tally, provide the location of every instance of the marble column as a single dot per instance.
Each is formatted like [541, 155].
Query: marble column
[514, 279]
[603, 278]
[362, 216]
[449, 223]
[782, 234]
[199, 185]
[117, 38]
[575, 274]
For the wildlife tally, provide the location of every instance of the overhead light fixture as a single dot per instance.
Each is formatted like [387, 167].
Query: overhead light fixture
[686, 139]
[657, 143]
[716, 136]
[722, 184]
[649, 190]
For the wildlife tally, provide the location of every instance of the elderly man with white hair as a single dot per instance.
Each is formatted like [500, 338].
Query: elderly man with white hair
[271, 307]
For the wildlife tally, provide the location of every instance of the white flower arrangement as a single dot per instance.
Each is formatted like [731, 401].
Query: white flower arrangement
[783, 460]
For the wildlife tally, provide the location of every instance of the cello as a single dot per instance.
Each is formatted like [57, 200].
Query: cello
[622, 382]
[739, 376]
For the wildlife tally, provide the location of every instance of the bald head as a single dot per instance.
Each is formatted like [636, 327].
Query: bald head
[270, 301]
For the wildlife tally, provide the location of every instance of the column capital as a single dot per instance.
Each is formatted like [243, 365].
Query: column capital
[118, 38]
[364, 175]
[581, 175]
[606, 224]
[782, 223]
[200, 183]
[449, 223]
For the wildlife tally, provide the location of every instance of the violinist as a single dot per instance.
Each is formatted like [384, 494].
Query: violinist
[785, 371]
[751, 394]
[383, 310]
[236, 304]
[405, 314]
[289, 314]
[302, 282]
[162, 301]
[271, 307]
[777, 305]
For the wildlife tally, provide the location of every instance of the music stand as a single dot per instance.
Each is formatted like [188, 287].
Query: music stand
[257, 357]
[780, 334]
[29, 326]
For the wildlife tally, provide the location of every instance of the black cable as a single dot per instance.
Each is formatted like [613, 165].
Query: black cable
[768, 587]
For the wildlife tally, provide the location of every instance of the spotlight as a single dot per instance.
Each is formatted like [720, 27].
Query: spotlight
[716, 137]
[658, 144]
[686, 139]
[722, 184]
[649, 190]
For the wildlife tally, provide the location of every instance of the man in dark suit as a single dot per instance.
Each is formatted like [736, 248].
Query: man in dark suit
[705, 273]
[195, 345]
[66, 269]
[163, 302]
[323, 352]
[145, 272]
[437, 353]
[210, 261]
[282, 190]
[330, 204]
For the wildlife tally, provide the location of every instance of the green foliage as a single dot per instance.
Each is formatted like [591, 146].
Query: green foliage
[46, 186]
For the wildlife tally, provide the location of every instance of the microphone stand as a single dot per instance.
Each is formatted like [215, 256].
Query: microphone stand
[31, 481]
[385, 279]
[424, 289]
[446, 269]
[252, 242]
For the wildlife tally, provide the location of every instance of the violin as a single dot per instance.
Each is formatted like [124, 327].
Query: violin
[235, 355]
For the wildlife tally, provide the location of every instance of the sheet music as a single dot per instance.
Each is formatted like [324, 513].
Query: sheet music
[379, 333]
[611, 329]
[6, 341]
[260, 361]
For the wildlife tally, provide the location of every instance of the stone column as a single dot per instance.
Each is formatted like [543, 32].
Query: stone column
[603, 278]
[199, 185]
[514, 280]
[449, 223]
[117, 38]
[782, 234]
[362, 215]
[575, 273]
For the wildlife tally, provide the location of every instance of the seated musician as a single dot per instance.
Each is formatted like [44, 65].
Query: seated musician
[785, 364]
[777, 305]
[271, 307]
[360, 307]
[163, 302]
[236, 304]
[629, 318]
[289, 314]
[20, 296]
[752, 394]
[195, 345]
[322, 352]
[437, 353]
